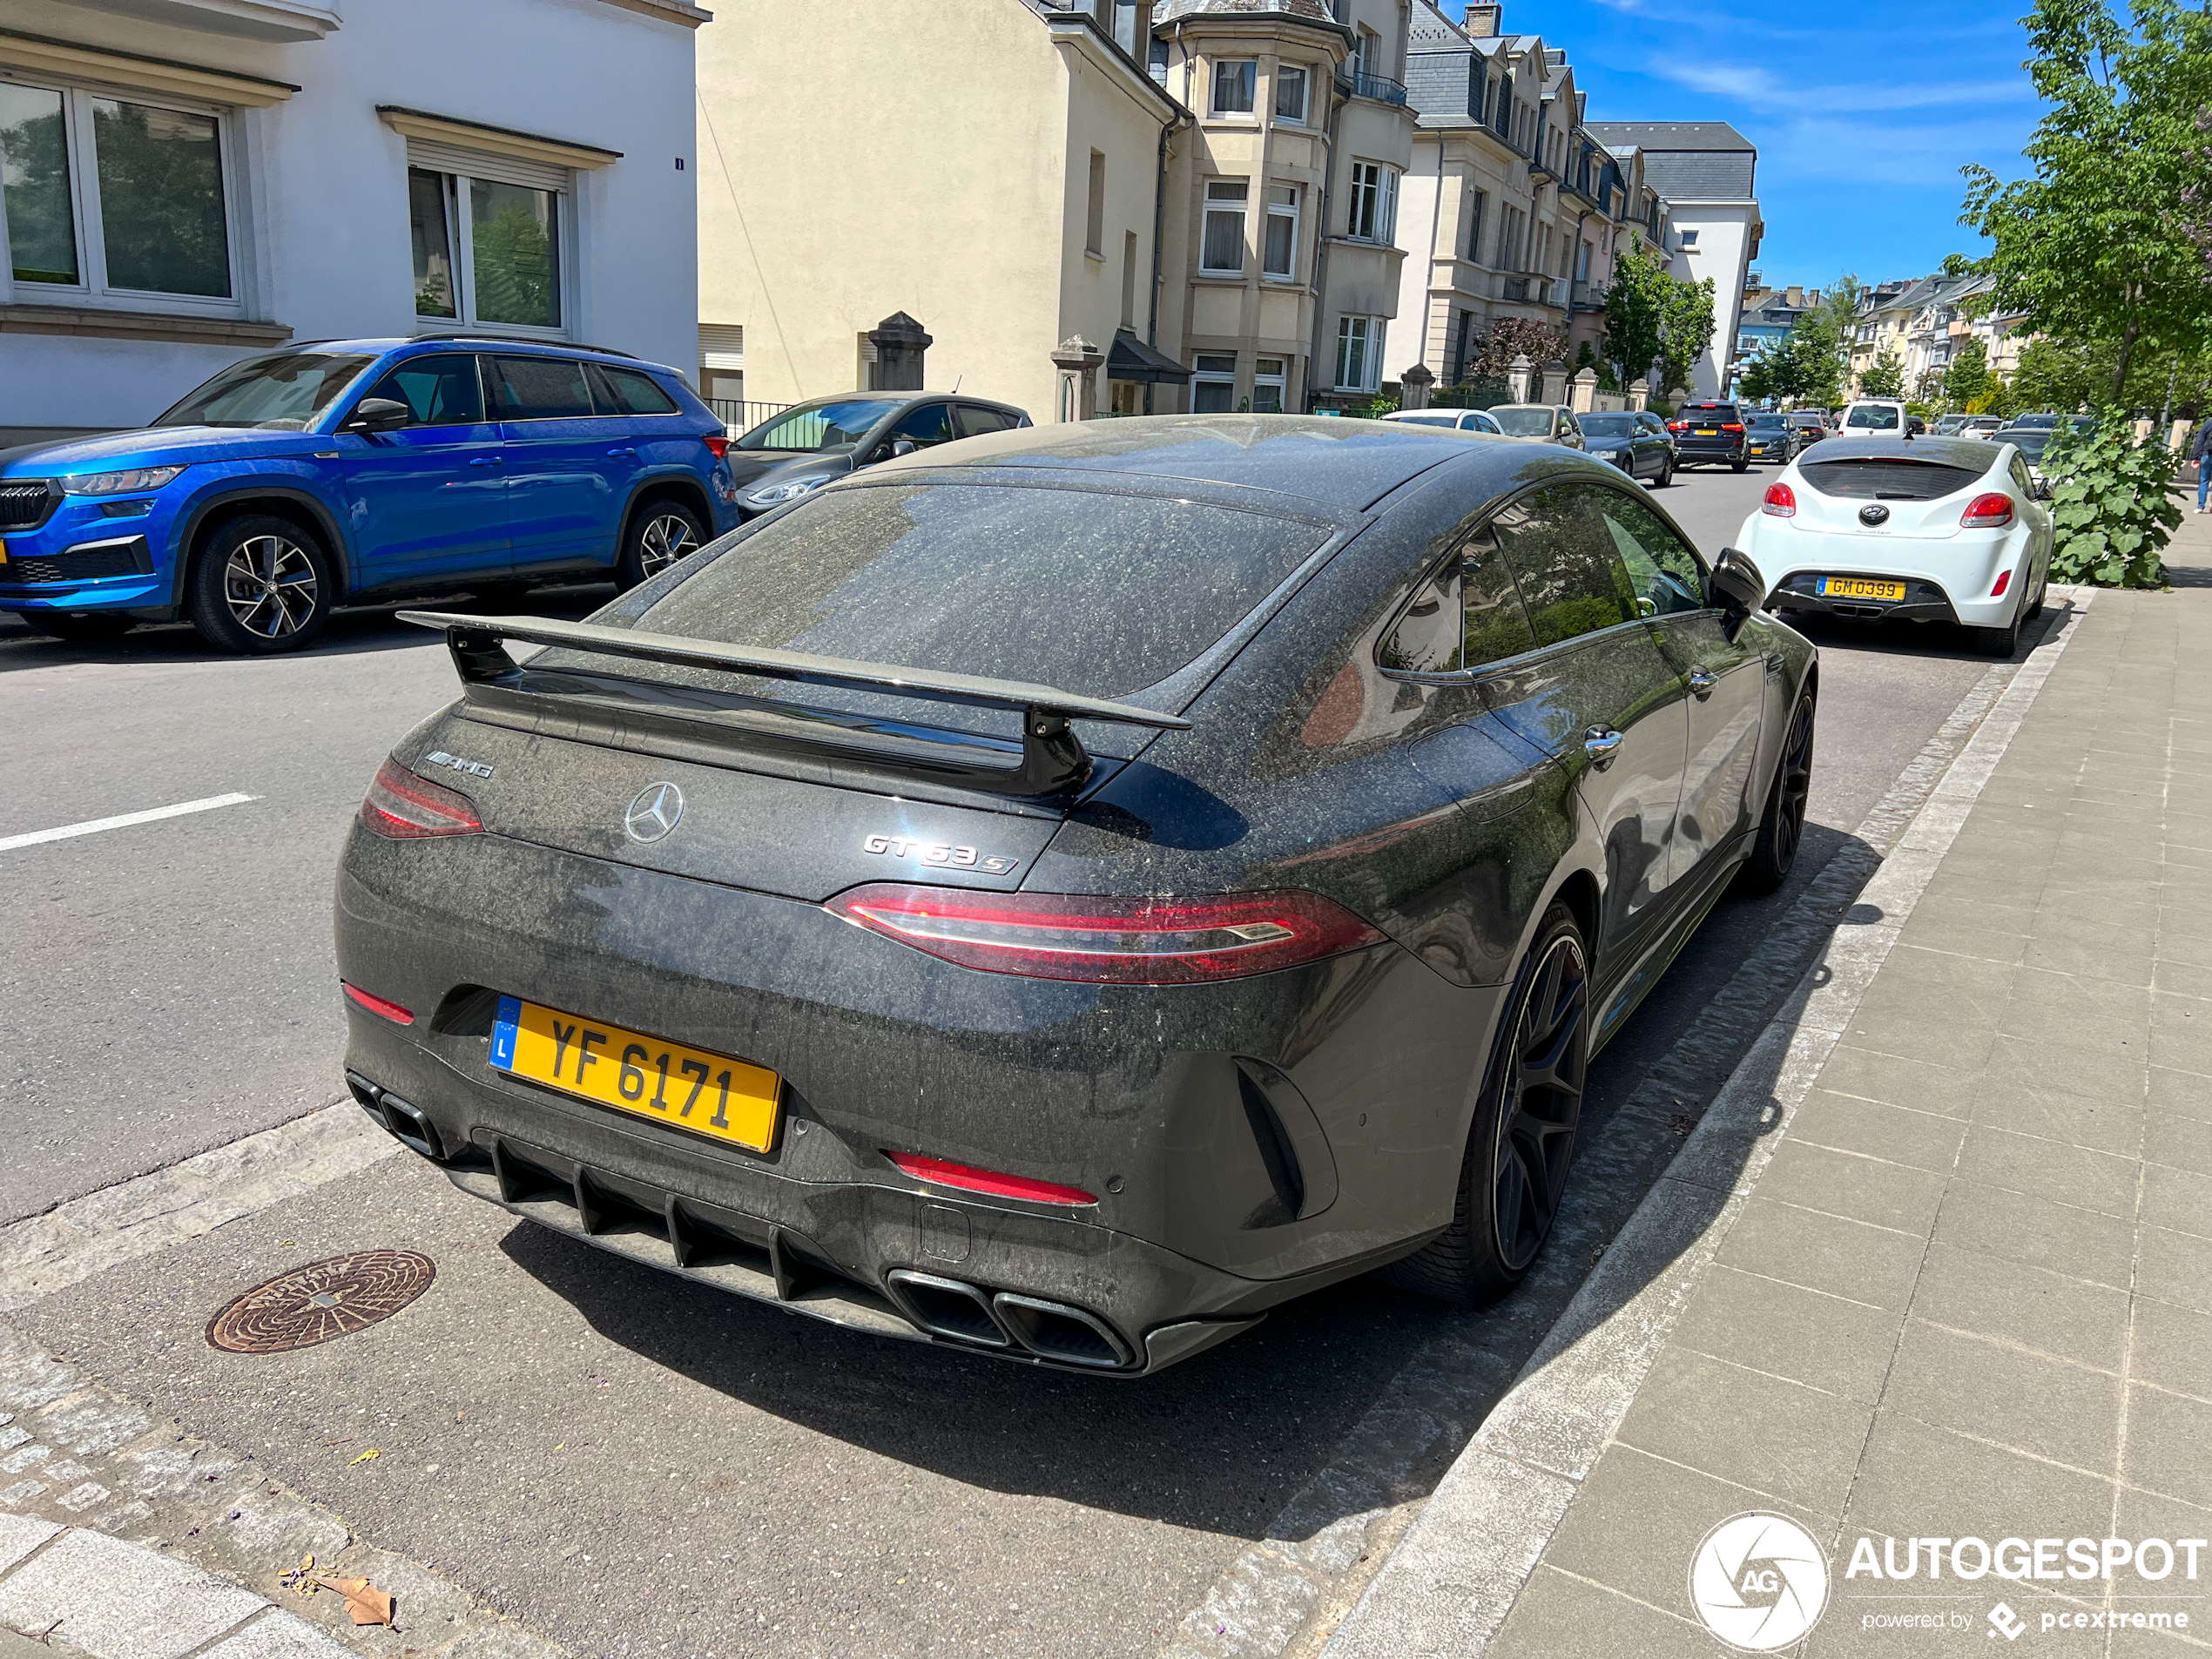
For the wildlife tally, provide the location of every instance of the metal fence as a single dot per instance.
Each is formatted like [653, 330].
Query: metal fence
[742, 414]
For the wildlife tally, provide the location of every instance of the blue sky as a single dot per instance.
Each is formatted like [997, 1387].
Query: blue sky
[1863, 114]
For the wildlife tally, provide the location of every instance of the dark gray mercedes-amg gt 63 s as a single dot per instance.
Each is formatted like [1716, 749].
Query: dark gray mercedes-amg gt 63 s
[1065, 893]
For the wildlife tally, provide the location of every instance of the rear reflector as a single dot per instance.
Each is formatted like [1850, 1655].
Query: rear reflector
[1109, 942]
[401, 807]
[1987, 512]
[391, 1011]
[2004, 580]
[999, 1186]
[1781, 501]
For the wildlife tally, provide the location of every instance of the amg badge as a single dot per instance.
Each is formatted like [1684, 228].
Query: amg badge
[473, 768]
[937, 853]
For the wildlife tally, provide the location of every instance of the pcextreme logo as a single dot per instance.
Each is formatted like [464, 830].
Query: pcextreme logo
[1759, 1581]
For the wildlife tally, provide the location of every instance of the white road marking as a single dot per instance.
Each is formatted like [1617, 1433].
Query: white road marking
[122, 820]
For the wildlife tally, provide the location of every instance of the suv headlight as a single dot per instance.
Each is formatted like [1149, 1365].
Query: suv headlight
[136, 480]
[790, 490]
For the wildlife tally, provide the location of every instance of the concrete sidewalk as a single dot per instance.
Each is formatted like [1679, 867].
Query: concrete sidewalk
[1940, 1265]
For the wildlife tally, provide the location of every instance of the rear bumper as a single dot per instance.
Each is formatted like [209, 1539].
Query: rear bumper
[1135, 1095]
[1946, 581]
[1691, 452]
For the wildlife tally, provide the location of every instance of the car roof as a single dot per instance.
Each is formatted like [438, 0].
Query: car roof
[411, 344]
[1345, 464]
[901, 398]
[1976, 455]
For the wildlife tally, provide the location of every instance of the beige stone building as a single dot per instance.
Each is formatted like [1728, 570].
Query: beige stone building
[1202, 191]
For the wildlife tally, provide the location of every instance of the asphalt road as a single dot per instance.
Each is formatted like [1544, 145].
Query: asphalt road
[629, 1463]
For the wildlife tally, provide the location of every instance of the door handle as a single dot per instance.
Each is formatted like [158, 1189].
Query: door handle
[1701, 684]
[485, 461]
[1600, 744]
[630, 453]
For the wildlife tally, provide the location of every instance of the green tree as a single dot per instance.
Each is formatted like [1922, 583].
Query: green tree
[1635, 309]
[1885, 379]
[1687, 324]
[2057, 377]
[1965, 382]
[2092, 245]
[1822, 339]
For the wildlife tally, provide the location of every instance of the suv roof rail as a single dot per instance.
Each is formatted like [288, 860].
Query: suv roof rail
[556, 345]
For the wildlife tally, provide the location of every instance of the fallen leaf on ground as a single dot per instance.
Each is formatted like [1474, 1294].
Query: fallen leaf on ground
[367, 1604]
[365, 1457]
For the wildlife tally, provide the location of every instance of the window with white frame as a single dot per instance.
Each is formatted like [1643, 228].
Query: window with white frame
[1281, 262]
[1268, 382]
[1213, 390]
[1359, 349]
[489, 239]
[1221, 247]
[1373, 204]
[1236, 83]
[117, 199]
[1289, 93]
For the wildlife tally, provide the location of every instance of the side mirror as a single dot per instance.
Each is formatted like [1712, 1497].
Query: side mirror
[1738, 589]
[378, 415]
[902, 446]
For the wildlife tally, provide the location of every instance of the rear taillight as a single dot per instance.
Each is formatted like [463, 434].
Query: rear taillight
[1990, 512]
[401, 807]
[391, 1011]
[990, 1181]
[1677, 426]
[1781, 501]
[718, 442]
[1736, 425]
[1109, 942]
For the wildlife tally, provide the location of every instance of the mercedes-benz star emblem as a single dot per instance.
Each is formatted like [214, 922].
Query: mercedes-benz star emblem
[657, 810]
[1877, 514]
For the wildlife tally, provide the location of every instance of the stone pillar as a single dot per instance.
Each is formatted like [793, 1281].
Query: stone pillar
[1517, 375]
[1078, 361]
[899, 342]
[1639, 393]
[1555, 383]
[1582, 395]
[1413, 386]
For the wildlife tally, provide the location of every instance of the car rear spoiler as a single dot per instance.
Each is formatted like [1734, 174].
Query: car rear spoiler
[1054, 761]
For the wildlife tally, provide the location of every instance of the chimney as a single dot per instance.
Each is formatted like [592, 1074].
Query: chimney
[1483, 18]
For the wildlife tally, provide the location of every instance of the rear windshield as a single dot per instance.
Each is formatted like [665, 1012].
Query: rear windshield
[1093, 593]
[1709, 412]
[1767, 422]
[1884, 478]
[1875, 418]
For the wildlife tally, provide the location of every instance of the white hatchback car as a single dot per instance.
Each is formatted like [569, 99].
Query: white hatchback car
[1459, 420]
[1929, 529]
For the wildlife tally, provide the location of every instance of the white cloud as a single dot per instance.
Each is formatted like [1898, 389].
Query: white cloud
[1759, 88]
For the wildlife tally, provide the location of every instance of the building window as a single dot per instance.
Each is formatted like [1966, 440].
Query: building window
[1214, 389]
[1475, 208]
[1374, 202]
[486, 250]
[1129, 280]
[1095, 224]
[1368, 60]
[1221, 250]
[1235, 81]
[1282, 232]
[115, 197]
[1268, 381]
[1290, 94]
[1359, 348]
[1689, 239]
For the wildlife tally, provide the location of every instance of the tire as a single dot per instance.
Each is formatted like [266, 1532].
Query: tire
[1522, 1143]
[261, 585]
[79, 628]
[2001, 643]
[661, 532]
[2042, 591]
[1781, 828]
[1738, 466]
[1666, 474]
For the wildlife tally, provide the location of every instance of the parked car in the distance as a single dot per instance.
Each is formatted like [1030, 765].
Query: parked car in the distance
[1711, 432]
[1767, 436]
[303, 479]
[1540, 423]
[1806, 428]
[1474, 420]
[1635, 442]
[1874, 417]
[1980, 425]
[816, 442]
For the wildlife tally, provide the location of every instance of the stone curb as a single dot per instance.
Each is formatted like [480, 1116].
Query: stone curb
[1446, 1588]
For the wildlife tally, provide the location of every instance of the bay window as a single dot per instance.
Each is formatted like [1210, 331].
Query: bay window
[1373, 204]
[1235, 82]
[1359, 349]
[1214, 389]
[1268, 381]
[1290, 94]
[1221, 248]
[1282, 233]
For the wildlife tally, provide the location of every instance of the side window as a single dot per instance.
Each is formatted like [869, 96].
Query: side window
[1465, 615]
[441, 390]
[973, 420]
[1663, 567]
[931, 424]
[2021, 479]
[539, 388]
[1426, 638]
[1571, 578]
[625, 391]
[1496, 625]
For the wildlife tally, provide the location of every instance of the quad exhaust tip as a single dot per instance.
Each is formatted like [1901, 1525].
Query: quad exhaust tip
[1068, 1336]
[407, 1123]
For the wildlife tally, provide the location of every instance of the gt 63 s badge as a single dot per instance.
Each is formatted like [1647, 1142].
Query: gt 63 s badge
[937, 853]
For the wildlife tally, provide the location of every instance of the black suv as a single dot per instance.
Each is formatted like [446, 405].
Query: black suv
[1710, 432]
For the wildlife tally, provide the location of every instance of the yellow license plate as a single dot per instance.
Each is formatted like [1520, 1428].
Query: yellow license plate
[708, 1094]
[1703, 432]
[1859, 587]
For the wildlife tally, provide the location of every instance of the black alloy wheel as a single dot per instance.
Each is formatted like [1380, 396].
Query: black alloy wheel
[660, 533]
[1782, 830]
[1522, 1144]
[261, 585]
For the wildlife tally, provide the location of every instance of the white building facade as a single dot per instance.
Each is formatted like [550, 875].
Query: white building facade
[192, 182]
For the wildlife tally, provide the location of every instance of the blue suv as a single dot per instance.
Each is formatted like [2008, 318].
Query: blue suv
[344, 470]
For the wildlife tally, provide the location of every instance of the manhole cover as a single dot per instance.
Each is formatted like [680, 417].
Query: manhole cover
[321, 1300]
